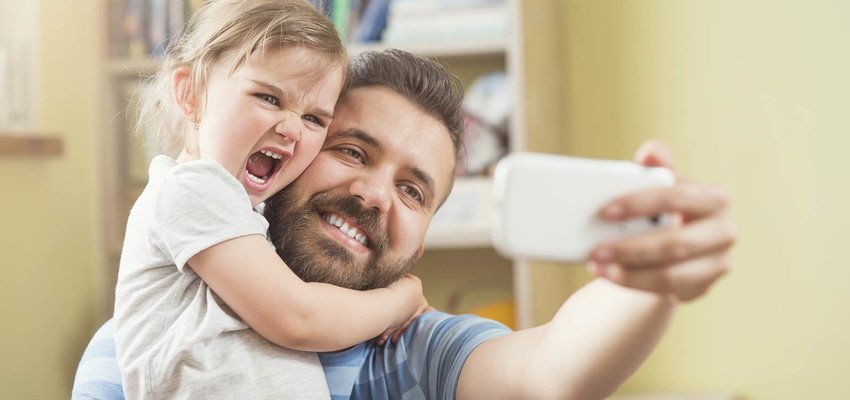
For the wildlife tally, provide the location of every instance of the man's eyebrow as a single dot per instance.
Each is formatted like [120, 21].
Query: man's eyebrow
[279, 92]
[359, 135]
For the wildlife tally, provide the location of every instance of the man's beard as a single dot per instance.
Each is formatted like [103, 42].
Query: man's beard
[314, 257]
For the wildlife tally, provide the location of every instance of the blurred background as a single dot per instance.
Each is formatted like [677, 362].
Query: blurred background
[753, 96]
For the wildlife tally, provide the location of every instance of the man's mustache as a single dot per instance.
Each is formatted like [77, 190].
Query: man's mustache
[368, 219]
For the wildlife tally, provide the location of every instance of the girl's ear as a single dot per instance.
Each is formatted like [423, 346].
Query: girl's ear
[183, 90]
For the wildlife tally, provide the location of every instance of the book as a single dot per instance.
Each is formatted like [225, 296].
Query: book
[117, 39]
[5, 87]
[157, 29]
[135, 25]
[372, 21]
[341, 15]
[178, 13]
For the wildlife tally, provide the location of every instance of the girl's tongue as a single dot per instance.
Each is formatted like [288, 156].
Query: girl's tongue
[260, 165]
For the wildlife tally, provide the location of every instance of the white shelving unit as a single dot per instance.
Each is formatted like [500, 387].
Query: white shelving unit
[464, 221]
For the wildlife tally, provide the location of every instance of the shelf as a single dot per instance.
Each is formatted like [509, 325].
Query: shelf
[468, 48]
[21, 144]
[464, 219]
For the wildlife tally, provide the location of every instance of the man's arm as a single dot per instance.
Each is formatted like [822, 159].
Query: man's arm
[98, 377]
[605, 330]
[597, 339]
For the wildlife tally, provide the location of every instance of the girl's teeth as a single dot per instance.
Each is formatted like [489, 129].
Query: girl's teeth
[272, 154]
[256, 179]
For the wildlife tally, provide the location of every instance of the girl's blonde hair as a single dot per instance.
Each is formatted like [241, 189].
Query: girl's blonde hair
[230, 30]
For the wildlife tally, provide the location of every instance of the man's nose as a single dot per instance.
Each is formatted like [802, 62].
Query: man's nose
[374, 190]
[290, 126]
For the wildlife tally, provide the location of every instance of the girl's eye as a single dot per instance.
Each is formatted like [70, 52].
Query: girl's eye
[412, 192]
[353, 153]
[268, 99]
[313, 120]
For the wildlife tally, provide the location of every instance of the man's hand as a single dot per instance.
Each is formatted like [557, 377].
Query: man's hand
[683, 261]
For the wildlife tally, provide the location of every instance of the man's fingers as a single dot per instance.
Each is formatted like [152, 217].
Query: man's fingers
[653, 153]
[686, 281]
[693, 201]
[664, 247]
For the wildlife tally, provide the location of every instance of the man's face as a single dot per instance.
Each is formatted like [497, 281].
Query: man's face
[357, 216]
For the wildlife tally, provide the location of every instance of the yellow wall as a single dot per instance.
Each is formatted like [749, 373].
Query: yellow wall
[753, 96]
[50, 217]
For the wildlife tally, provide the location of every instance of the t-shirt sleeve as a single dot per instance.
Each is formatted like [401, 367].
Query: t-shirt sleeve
[427, 361]
[452, 339]
[199, 205]
[98, 377]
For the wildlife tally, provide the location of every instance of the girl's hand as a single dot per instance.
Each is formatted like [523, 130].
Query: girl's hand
[683, 261]
[405, 284]
[396, 333]
[407, 293]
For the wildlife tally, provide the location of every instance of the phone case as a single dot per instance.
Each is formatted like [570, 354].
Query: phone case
[546, 206]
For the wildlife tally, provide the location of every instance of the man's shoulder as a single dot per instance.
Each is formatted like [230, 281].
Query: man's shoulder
[438, 332]
[98, 376]
[427, 360]
[440, 323]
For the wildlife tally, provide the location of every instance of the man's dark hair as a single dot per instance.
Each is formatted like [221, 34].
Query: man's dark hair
[423, 81]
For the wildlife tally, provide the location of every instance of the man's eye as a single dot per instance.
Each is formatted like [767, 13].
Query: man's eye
[353, 153]
[412, 192]
[268, 99]
[313, 120]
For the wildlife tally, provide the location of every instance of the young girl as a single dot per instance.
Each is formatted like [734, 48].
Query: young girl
[203, 301]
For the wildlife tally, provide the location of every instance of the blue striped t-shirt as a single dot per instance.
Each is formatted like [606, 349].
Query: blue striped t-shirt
[425, 364]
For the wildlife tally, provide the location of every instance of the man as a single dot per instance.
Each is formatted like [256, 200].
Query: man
[385, 168]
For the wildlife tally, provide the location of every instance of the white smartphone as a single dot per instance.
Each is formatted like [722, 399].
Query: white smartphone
[546, 207]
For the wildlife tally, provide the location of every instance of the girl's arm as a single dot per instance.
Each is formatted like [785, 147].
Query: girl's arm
[252, 279]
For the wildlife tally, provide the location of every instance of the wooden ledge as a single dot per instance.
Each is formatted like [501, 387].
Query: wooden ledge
[19, 144]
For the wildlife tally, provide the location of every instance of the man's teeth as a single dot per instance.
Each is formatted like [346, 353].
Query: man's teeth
[271, 154]
[350, 231]
[256, 179]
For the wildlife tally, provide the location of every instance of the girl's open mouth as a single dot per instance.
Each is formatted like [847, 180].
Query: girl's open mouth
[263, 165]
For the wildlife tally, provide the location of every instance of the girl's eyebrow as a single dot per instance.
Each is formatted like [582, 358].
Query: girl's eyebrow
[279, 92]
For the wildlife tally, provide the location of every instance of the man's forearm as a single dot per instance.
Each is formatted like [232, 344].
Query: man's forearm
[597, 340]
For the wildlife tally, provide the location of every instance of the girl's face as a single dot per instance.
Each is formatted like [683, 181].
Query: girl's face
[268, 120]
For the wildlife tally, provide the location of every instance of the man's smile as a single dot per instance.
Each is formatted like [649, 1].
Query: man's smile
[346, 231]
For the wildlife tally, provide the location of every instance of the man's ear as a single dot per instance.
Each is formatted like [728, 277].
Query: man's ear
[183, 90]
